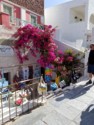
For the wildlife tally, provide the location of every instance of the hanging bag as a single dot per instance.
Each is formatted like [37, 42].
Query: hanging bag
[42, 86]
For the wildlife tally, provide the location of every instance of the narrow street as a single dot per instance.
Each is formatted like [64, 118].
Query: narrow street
[71, 107]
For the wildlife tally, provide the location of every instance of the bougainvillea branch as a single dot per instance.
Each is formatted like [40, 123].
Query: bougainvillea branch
[30, 39]
[34, 40]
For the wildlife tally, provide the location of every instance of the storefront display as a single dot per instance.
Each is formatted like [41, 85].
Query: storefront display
[25, 73]
[48, 74]
[37, 72]
[3, 83]
[21, 74]
[42, 86]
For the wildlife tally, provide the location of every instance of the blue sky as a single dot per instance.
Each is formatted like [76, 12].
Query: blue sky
[49, 3]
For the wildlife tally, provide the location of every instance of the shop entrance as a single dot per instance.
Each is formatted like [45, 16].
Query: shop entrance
[30, 72]
[43, 72]
[7, 76]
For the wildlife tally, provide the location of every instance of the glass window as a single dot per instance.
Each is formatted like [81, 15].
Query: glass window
[33, 19]
[8, 10]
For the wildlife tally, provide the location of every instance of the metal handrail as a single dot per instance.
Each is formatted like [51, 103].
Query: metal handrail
[31, 102]
[18, 22]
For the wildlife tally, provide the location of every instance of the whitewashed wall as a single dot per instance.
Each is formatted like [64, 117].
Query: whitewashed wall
[60, 16]
[12, 60]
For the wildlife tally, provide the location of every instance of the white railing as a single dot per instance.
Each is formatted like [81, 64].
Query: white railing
[64, 44]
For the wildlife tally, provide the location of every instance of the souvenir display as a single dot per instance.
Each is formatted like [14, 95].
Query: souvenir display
[57, 79]
[4, 91]
[48, 74]
[19, 101]
[21, 74]
[42, 87]
[3, 83]
[48, 71]
[53, 85]
[37, 72]
[25, 73]
[42, 90]
[28, 92]
[19, 97]
[62, 84]
[47, 78]
[16, 80]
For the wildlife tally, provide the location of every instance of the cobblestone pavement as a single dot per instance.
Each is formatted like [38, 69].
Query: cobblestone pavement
[71, 107]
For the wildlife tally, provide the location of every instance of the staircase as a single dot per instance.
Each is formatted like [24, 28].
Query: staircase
[76, 46]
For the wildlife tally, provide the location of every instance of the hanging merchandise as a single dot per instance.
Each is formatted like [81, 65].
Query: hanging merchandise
[4, 91]
[53, 86]
[42, 87]
[57, 80]
[25, 72]
[48, 74]
[48, 71]
[47, 78]
[62, 84]
[28, 92]
[3, 82]
[19, 101]
[37, 72]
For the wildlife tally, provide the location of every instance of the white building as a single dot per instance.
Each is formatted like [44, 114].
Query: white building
[75, 20]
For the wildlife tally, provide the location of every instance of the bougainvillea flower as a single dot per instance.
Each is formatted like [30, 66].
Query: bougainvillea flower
[70, 58]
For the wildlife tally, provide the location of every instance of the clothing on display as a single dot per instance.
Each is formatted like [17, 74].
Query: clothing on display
[16, 79]
[54, 75]
[48, 74]
[53, 86]
[25, 73]
[37, 72]
[3, 83]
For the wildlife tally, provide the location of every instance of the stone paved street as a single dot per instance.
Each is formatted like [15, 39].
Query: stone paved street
[71, 107]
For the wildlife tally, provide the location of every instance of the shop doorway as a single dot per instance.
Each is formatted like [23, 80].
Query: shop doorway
[7, 76]
[30, 72]
[43, 72]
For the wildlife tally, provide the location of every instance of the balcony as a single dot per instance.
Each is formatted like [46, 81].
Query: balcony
[19, 23]
[9, 25]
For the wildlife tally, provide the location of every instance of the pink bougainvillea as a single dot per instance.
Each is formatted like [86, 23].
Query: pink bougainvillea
[70, 58]
[30, 39]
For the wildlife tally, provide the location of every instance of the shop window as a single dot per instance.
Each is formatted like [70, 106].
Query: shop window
[33, 19]
[9, 10]
[77, 14]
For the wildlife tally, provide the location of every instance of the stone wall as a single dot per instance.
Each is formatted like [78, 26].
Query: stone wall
[36, 6]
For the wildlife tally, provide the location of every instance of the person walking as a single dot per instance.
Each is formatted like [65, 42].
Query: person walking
[91, 64]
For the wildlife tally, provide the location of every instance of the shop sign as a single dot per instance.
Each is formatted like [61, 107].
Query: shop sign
[6, 51]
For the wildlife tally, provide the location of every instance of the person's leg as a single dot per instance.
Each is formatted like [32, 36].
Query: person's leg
[93, 74]
[90, 74]
[90, 79]
[93, 78]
